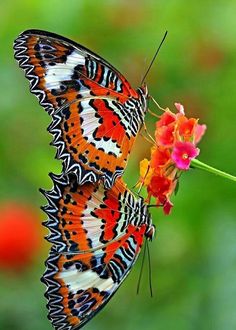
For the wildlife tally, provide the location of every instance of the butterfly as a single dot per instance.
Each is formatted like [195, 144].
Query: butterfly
[97, 235]
[96, 114]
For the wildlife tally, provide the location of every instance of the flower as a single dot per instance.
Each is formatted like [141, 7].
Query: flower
[165, 127]
[166, 119]
[186, 127]
[176, 137]
[159, 157]
[167, 207]
[183, 153]
[159, 186]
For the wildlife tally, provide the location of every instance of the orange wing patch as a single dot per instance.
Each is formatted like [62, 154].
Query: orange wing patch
[82, 218]
[94, 137]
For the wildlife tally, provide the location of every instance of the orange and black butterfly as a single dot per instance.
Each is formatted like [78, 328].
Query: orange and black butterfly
[97, 235]
[96, 114]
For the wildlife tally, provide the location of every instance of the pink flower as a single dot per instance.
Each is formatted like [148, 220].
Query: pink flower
[180, 108]
[183, 153]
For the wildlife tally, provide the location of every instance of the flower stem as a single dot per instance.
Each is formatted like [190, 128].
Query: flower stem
[202, 166]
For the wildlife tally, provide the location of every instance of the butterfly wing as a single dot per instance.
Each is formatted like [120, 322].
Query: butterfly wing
[79, 286]
[96, 114]
[97, 235]
[58, 69]
[87, 217]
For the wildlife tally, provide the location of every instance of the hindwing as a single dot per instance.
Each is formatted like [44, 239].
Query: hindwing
[87, 217]
[97, 235]
[80, 285]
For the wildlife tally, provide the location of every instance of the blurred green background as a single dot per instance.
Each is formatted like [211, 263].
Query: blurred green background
[194, 254]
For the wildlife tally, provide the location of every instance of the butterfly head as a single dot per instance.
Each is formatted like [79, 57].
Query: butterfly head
[143, 97]
[147, 220]
[144, 90]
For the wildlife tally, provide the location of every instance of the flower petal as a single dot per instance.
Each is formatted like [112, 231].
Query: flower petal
[160, 157]
[166, 119]
[145, 172]
[167, 207]
[179, 107]
[165, 136]
[186, 127]
[199, 132]
[159, 186]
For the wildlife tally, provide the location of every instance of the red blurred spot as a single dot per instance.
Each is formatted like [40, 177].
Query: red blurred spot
[20, 235]
[208, 55]
[123, 11]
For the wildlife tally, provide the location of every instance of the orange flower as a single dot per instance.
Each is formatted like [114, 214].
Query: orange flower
[159, 157]
[186, 127]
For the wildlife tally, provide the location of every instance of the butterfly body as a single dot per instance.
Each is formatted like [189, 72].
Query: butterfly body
[96, 114]
[97, 235]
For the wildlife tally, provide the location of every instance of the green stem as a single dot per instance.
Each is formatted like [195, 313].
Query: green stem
[202, 166]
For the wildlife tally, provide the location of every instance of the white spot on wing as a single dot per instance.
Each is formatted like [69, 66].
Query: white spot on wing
[84, 280]
[91, 223]
[90, 124]
[62, 71]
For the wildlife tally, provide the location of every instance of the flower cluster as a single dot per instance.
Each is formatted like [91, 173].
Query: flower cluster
[176, 137]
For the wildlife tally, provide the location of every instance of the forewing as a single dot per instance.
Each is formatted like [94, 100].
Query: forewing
[94, 138]
[96, 114]
[61, 71]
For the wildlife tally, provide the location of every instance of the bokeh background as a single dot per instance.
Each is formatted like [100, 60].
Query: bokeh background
[194, 253]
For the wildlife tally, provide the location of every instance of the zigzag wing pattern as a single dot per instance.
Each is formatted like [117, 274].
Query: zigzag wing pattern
[97, 235]
[83, 218]
[96, 114]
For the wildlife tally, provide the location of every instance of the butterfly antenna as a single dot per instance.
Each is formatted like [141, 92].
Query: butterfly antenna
[154, 57]
[142, 265]
[149, 270]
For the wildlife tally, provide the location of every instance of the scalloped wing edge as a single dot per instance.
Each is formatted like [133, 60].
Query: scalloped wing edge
[22, 58]
[55, 314]
[69, 166]
[55, 310]
[52, 196]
